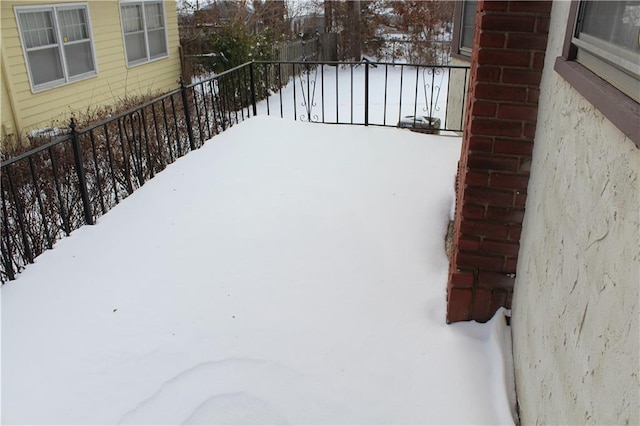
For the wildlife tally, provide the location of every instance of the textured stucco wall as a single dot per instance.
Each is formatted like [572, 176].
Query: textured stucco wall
[456, 101]
[576, 301]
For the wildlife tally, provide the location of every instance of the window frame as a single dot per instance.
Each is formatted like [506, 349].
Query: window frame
[60, 44]
[610, 61]
[145, 32]
[458, 51]
[615, 105]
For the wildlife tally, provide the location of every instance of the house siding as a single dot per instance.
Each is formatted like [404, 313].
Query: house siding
[8, 123]
[114, 80]
[576, 299]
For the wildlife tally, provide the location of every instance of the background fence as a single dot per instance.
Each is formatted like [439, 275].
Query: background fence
[322, 47]
[50, 191]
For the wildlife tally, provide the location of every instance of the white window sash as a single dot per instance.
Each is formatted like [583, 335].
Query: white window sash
[612, 54]
[145, 31]
[59, 45]
[612, 62]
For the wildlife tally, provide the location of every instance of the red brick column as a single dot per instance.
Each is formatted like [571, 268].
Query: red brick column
[506, 68]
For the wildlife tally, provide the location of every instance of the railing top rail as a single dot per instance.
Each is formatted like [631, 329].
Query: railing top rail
[333, 63]
[361, 63]
[231, 70]
[86, 129]
[222, 74]
[34, 151]
[127, 112]
[89, 179]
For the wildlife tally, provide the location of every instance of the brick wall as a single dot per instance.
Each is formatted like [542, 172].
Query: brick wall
[506, 68]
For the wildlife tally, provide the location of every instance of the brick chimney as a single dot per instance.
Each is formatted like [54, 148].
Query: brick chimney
[502, 106]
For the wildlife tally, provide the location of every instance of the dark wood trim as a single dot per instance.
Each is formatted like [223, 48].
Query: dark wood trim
[569, 51]
[617, 107]
[461, 56]
[457, 31]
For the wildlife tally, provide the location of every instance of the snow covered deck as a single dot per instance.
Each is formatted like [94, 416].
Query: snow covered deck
[285, 273]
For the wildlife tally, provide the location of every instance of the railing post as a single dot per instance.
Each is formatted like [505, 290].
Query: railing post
[253, 89]
[366, 93]
[187, 115]
[82, 180]
[23, 229]
[308, 101]
[6, 248]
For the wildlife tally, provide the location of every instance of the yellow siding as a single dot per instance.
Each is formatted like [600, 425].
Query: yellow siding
[8, 125]
[114, 81]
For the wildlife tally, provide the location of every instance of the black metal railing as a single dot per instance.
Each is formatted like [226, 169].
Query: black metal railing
[50, 191]
[365, 93]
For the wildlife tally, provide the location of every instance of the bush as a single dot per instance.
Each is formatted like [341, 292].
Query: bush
[234, 46]
[121, 149]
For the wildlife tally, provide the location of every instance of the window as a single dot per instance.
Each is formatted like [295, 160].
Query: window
[608, 42]
[144, 31]
[57, 44]
[601, 59]
[468, 26]
[464, 27]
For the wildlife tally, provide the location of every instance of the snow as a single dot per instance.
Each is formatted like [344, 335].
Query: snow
[284, 273]
[47, 132]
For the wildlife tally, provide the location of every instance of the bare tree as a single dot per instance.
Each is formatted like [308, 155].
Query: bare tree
[357, 23]
[425, 24]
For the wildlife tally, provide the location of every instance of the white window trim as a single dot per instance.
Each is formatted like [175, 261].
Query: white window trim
[54, 8]
[145, 31]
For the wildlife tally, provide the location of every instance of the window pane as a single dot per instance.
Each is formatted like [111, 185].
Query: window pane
[607, 43]
[79, 58]
[37, 29]
[468, 24]
[157, 43]
[135, 47]
[153, 16]
[73, 25]
[45, 65]
[131, 18]
[613, 22]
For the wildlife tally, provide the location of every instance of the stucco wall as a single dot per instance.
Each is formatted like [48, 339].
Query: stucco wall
[575, 308]
[458, 82]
